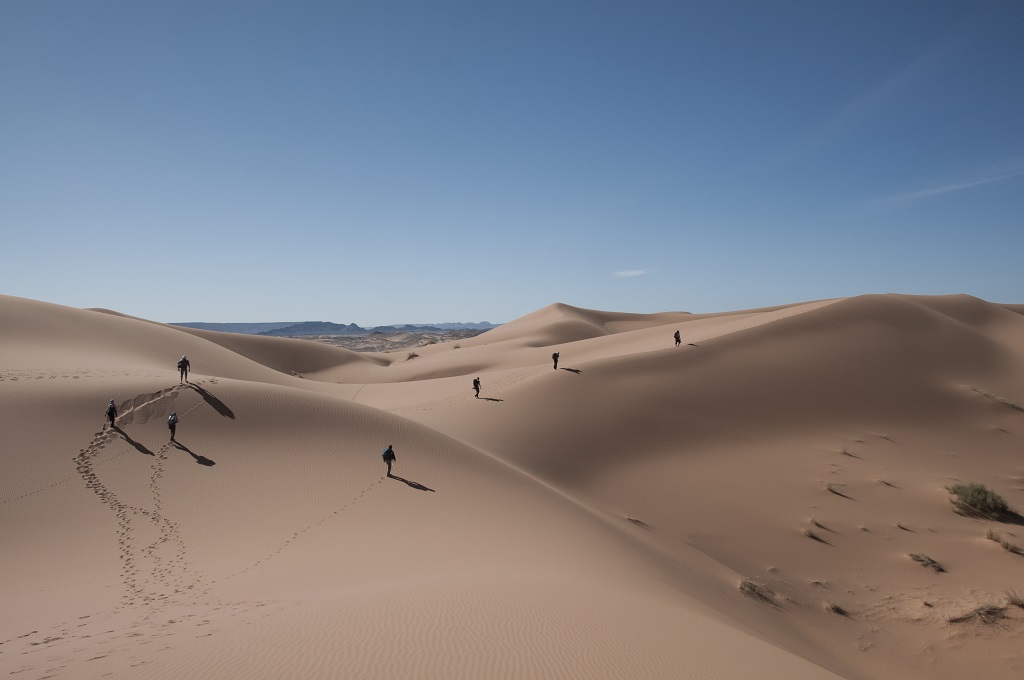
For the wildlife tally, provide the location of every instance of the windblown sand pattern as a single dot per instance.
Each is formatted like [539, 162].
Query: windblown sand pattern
[643, 511]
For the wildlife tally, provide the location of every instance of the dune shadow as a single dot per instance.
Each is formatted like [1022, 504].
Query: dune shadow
[138, 447]
[833, 490]
[573, 370]
[1008, 516]
[640, 523]
[415, 485]
[1012, 517]
[218, 405]
[202, 460]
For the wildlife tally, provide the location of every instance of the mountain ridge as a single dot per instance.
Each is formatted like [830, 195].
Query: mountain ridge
[311, 328]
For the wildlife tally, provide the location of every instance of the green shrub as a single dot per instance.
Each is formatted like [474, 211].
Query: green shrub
[977, 500]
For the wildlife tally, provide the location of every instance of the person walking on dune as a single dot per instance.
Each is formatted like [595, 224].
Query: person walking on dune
[111, 412]
[389, 457]
[554, 358]
[476, 387]
[183, 366]
[172, 423]
[679, 339]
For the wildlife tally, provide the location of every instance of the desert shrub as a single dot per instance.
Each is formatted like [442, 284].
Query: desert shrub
[834, 608]
[412, 355]
[986, 613]
[1004, 542]
[756, 591]
[977, 500]
[926, 561]
[1014, 599]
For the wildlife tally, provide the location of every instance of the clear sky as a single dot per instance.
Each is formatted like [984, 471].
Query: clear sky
[426, 161]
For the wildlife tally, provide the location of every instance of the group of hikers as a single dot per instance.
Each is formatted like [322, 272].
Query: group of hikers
[554, 360]
[389, 453]
[172, 420]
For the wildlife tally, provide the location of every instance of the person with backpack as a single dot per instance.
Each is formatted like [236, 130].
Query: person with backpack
[389, 457]
[679, 339]
[476, 387]
[172, 422]
[554, 357]
[183, 366]
[111, 412]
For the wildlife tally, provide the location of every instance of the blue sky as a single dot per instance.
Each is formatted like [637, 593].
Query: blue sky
[390, 162]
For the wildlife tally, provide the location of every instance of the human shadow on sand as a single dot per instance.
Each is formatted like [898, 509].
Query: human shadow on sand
[415, 485]
[138, 447]
[202, 460]
[213, 401]
[491, 399]
[573, 370]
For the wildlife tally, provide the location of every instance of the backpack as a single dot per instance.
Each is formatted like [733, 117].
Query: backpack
[180, 364]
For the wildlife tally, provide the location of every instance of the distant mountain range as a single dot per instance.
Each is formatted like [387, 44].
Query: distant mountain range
[311, 328]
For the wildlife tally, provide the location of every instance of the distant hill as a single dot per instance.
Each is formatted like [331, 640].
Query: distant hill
[317, 328]
[310, 328]
[246, 328]
[313, 328]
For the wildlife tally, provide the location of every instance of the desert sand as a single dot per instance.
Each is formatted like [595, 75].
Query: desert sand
[591, 521]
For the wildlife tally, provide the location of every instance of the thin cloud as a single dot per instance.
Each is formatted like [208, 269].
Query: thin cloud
[877, 97]
[630, 273]
[913, 196]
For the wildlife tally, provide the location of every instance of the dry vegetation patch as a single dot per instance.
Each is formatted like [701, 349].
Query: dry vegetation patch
[1006, 402]
[986, 613]
[757, 591]
[926, 561]
[1004, 542]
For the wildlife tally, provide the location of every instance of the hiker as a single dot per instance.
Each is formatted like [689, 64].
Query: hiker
[183, 366]
[111, 412]
[476, 386]
[389, 457]
[172, 421]
[679, 339]
[554, 357]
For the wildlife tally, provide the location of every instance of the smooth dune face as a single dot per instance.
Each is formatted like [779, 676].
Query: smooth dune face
[594, 521]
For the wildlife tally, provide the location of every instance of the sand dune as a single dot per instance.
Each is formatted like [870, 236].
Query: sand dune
[594, 521]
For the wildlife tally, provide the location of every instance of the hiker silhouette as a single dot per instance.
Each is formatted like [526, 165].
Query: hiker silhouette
[183, 366]
[172, 423]
[476, 387]
[389, 458]
[554, 357]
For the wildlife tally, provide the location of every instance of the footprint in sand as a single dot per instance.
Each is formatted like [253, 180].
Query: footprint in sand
[295, 536]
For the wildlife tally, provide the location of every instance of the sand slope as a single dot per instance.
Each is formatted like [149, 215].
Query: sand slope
[591, 521]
